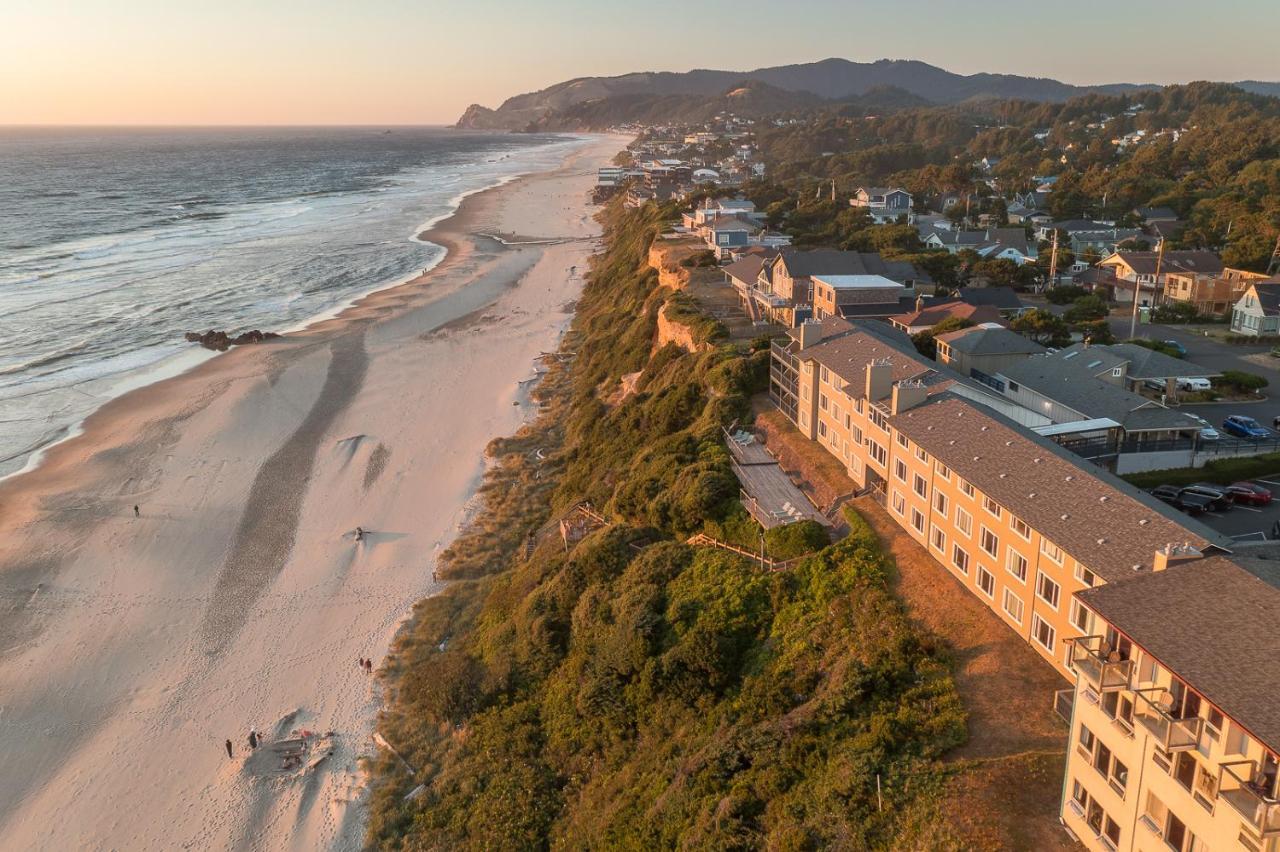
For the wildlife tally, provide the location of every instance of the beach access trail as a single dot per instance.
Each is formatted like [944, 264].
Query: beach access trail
[132, 648]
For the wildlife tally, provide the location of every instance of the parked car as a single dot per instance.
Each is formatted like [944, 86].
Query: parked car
[1218, 494]
[1249, 492]
[1244, 427]
[1207, 432]
[1180, 498]
[1176, 347]
[1275, 422]
[1192, 384]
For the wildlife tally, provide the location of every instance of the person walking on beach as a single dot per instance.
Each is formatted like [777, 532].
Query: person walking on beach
[359, 533]
[136, 512]
[229, 754]
[368, 666]
[253, 738]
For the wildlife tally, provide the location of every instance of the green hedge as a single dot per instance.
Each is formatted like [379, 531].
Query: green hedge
[1224, 471]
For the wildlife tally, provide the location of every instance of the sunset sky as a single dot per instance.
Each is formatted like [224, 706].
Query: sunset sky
[402, 62]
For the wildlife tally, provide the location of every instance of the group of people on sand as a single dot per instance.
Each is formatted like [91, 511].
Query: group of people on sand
[365, 665]
[255, 739]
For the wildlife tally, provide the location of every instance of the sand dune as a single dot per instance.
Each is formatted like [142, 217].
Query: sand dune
[132, 648]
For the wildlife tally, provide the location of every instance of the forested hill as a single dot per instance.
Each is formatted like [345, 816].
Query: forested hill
[629, 97]
[1210, 152]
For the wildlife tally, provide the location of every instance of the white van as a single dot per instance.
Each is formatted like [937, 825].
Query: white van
[1194, 384]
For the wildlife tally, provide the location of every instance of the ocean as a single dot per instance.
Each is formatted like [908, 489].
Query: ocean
[115, 242]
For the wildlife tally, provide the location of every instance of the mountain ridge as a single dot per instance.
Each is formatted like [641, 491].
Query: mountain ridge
[830, 79]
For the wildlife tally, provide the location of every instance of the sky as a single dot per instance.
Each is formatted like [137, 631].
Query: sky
[423, 61]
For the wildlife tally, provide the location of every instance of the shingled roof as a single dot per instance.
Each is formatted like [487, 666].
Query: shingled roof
[990, 339]
[801, 264]
[1212, 622]
[1103, 522]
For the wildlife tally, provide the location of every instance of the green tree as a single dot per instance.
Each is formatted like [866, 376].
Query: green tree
[1086, 309]
[1042, 327]
[925, 341]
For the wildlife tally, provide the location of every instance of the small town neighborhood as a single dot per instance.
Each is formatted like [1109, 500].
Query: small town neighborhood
[994, 424]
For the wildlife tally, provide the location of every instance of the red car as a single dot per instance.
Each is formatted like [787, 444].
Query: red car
[1249, 492]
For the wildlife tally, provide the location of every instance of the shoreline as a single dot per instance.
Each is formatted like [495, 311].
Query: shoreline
[238, 595]
[174, 366]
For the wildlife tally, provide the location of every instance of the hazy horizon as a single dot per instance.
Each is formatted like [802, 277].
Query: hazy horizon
[388, 63]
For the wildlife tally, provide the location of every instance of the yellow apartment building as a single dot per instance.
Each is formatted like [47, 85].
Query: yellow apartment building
[1175, 727]
[1017, 519]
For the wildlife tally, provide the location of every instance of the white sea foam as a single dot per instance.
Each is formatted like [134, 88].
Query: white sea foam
[124, 299]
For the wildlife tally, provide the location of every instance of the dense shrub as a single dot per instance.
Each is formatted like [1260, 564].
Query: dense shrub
[1238, 381]
[1065, 294]
[632, 691]
[1174, 313]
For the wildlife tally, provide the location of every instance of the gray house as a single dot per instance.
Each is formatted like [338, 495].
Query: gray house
[1258, 311]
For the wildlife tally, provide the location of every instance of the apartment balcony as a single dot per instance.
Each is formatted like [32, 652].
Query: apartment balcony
[1153, 710]
[1100, 666]
[1236, 788]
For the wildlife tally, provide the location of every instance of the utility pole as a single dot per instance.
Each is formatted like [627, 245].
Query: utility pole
[1053, 261]
[1137, 291]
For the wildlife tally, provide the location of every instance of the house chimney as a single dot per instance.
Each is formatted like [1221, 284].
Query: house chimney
[879, 380]
[907, 394]
[809, 333]
[1172, 554]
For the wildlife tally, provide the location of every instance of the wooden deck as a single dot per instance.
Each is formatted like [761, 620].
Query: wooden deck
[772, 498]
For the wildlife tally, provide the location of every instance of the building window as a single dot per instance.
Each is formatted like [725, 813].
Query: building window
[991, 506]
[857, 435]
[921, 454]
[878, 452]
[1013, 605]
[944, 472]
[940, 503]
[902, 440]
[917, 520]
[899, 503]
[1017, 565]
[1079, 616]
[878, 418]
[1084, 575]
[1042, 632]
[986, 582]
[920, 486]
[826, 377]
[1020, 527]
[939, 539]
[1051, 550]
[960, 559]
[966, 488]
[988, 542]
[964, 522]
[900, 469]
[1047, 590]
[1237, 740]
[822, 427]
[822, 401]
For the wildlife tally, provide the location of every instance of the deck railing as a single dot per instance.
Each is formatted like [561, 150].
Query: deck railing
[1100, 665]
[1154, 711]
[1260, 809]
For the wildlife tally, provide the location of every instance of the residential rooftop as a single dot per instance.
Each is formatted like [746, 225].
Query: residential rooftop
[1107, 525]
[1212, 622]
[1073, 384]
[990, 339]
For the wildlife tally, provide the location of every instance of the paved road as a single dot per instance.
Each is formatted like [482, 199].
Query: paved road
[1217, 356]
[1206, 352]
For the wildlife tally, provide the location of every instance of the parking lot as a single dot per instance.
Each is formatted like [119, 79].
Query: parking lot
[1248, 523]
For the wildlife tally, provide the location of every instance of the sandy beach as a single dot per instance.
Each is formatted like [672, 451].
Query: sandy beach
[132, 648]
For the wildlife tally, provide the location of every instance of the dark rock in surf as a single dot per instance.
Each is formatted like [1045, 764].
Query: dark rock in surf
[220, 341]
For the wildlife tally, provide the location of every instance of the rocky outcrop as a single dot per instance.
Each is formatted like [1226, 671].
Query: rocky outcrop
[672, 331]
[668, 258]
[220, 341]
